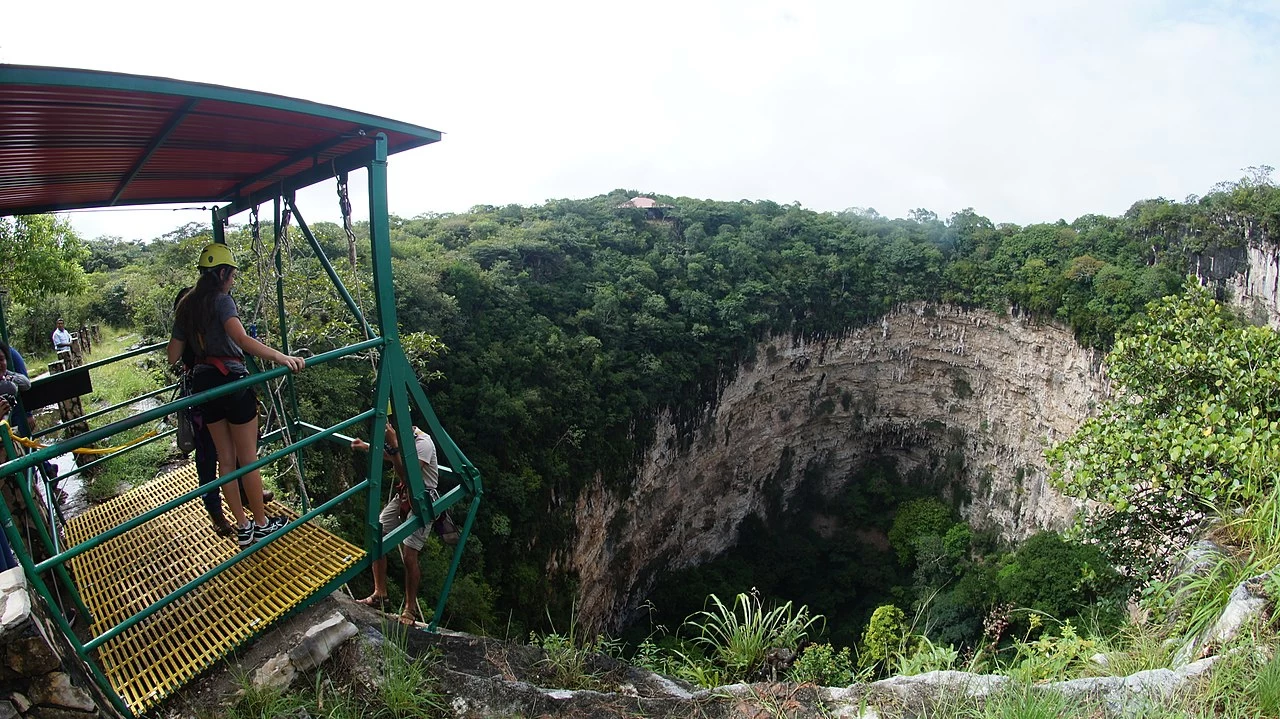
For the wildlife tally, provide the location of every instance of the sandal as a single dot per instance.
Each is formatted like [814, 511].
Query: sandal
[374, 601]
[408, 619]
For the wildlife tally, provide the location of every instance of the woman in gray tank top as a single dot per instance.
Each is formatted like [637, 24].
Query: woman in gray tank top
[208, 320]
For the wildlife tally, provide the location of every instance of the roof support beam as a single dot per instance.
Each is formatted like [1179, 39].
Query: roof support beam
[346, 163]
[296, 157]
[155, 144]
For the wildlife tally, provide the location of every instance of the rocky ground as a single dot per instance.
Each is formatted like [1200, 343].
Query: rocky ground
[481, 678]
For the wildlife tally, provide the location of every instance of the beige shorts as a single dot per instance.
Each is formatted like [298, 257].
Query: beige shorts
[390, 519]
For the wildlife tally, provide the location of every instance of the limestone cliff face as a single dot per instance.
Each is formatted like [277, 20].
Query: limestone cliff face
[927, 386]
[1250, 275]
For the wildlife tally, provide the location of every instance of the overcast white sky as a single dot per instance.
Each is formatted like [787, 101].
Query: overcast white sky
[1024, 110]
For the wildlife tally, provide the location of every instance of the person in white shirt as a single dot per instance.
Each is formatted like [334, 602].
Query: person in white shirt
[61, 337]
[395, 512]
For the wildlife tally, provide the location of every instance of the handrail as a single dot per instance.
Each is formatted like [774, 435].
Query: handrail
[73, 552]
[98, 363]
[104, 410]
[344, 439]
[38, 456]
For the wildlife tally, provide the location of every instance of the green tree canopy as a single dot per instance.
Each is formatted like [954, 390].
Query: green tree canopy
[1195, 416]
[40, 255]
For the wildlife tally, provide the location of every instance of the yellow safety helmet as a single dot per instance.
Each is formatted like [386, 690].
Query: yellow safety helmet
[215, 255]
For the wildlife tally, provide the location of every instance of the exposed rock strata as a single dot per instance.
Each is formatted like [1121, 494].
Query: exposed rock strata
[930, 387]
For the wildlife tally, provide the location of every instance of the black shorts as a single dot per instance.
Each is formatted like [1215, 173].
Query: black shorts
[237, 408]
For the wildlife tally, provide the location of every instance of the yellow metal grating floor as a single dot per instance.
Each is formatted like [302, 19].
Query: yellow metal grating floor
[121, 577]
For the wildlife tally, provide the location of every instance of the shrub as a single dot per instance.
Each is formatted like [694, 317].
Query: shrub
[928, 657]
[886, 639]
[821, 664]
[1052, 657]
[915, 519]
[1059, 578]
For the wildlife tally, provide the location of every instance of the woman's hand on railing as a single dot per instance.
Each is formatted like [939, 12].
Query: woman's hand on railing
[294, 363]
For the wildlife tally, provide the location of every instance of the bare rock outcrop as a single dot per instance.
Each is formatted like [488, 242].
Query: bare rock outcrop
[931, 387]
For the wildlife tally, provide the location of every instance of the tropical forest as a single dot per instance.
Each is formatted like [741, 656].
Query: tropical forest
[742, 441]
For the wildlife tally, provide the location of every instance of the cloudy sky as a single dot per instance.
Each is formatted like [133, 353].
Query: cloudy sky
[1024, 110]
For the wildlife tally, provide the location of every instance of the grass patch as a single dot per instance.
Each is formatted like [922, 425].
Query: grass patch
[565, 665]
[114, 383]
[133, 469]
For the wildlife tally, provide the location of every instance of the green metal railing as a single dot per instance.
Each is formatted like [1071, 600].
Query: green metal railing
[396, 386]
[105, 410]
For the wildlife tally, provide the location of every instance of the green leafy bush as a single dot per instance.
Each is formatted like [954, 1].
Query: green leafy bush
[1196, 411]
[915, 519]
[1052, 657]
[886, 639]
[927, 657]
[1059, 578]
[821, 664]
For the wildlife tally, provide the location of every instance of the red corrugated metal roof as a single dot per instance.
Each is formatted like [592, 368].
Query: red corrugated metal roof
[81, 138]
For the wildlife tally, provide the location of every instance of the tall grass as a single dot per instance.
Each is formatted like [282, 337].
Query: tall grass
[1250, 536]
[566, 656]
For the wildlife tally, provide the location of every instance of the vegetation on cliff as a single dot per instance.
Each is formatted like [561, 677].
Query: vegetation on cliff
[551, 336]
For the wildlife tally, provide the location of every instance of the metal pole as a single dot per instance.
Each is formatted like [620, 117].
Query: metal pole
[453, 566]
[219, 233]
[380, 241]
[393, 368]
[328, 268]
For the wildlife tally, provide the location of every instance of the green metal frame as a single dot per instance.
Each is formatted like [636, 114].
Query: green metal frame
[396, 385]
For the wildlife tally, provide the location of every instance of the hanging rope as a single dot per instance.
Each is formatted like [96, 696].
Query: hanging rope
[344, 206]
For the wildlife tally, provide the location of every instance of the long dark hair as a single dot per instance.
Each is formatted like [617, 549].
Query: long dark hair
[194, 314]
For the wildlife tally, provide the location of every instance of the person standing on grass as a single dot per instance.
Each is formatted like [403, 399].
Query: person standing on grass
[396, 512]
[207, 318]
[61, 337]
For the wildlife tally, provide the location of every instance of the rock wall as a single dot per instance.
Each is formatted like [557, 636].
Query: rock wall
[926, 386]
[1249, 277]
[40, 675]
